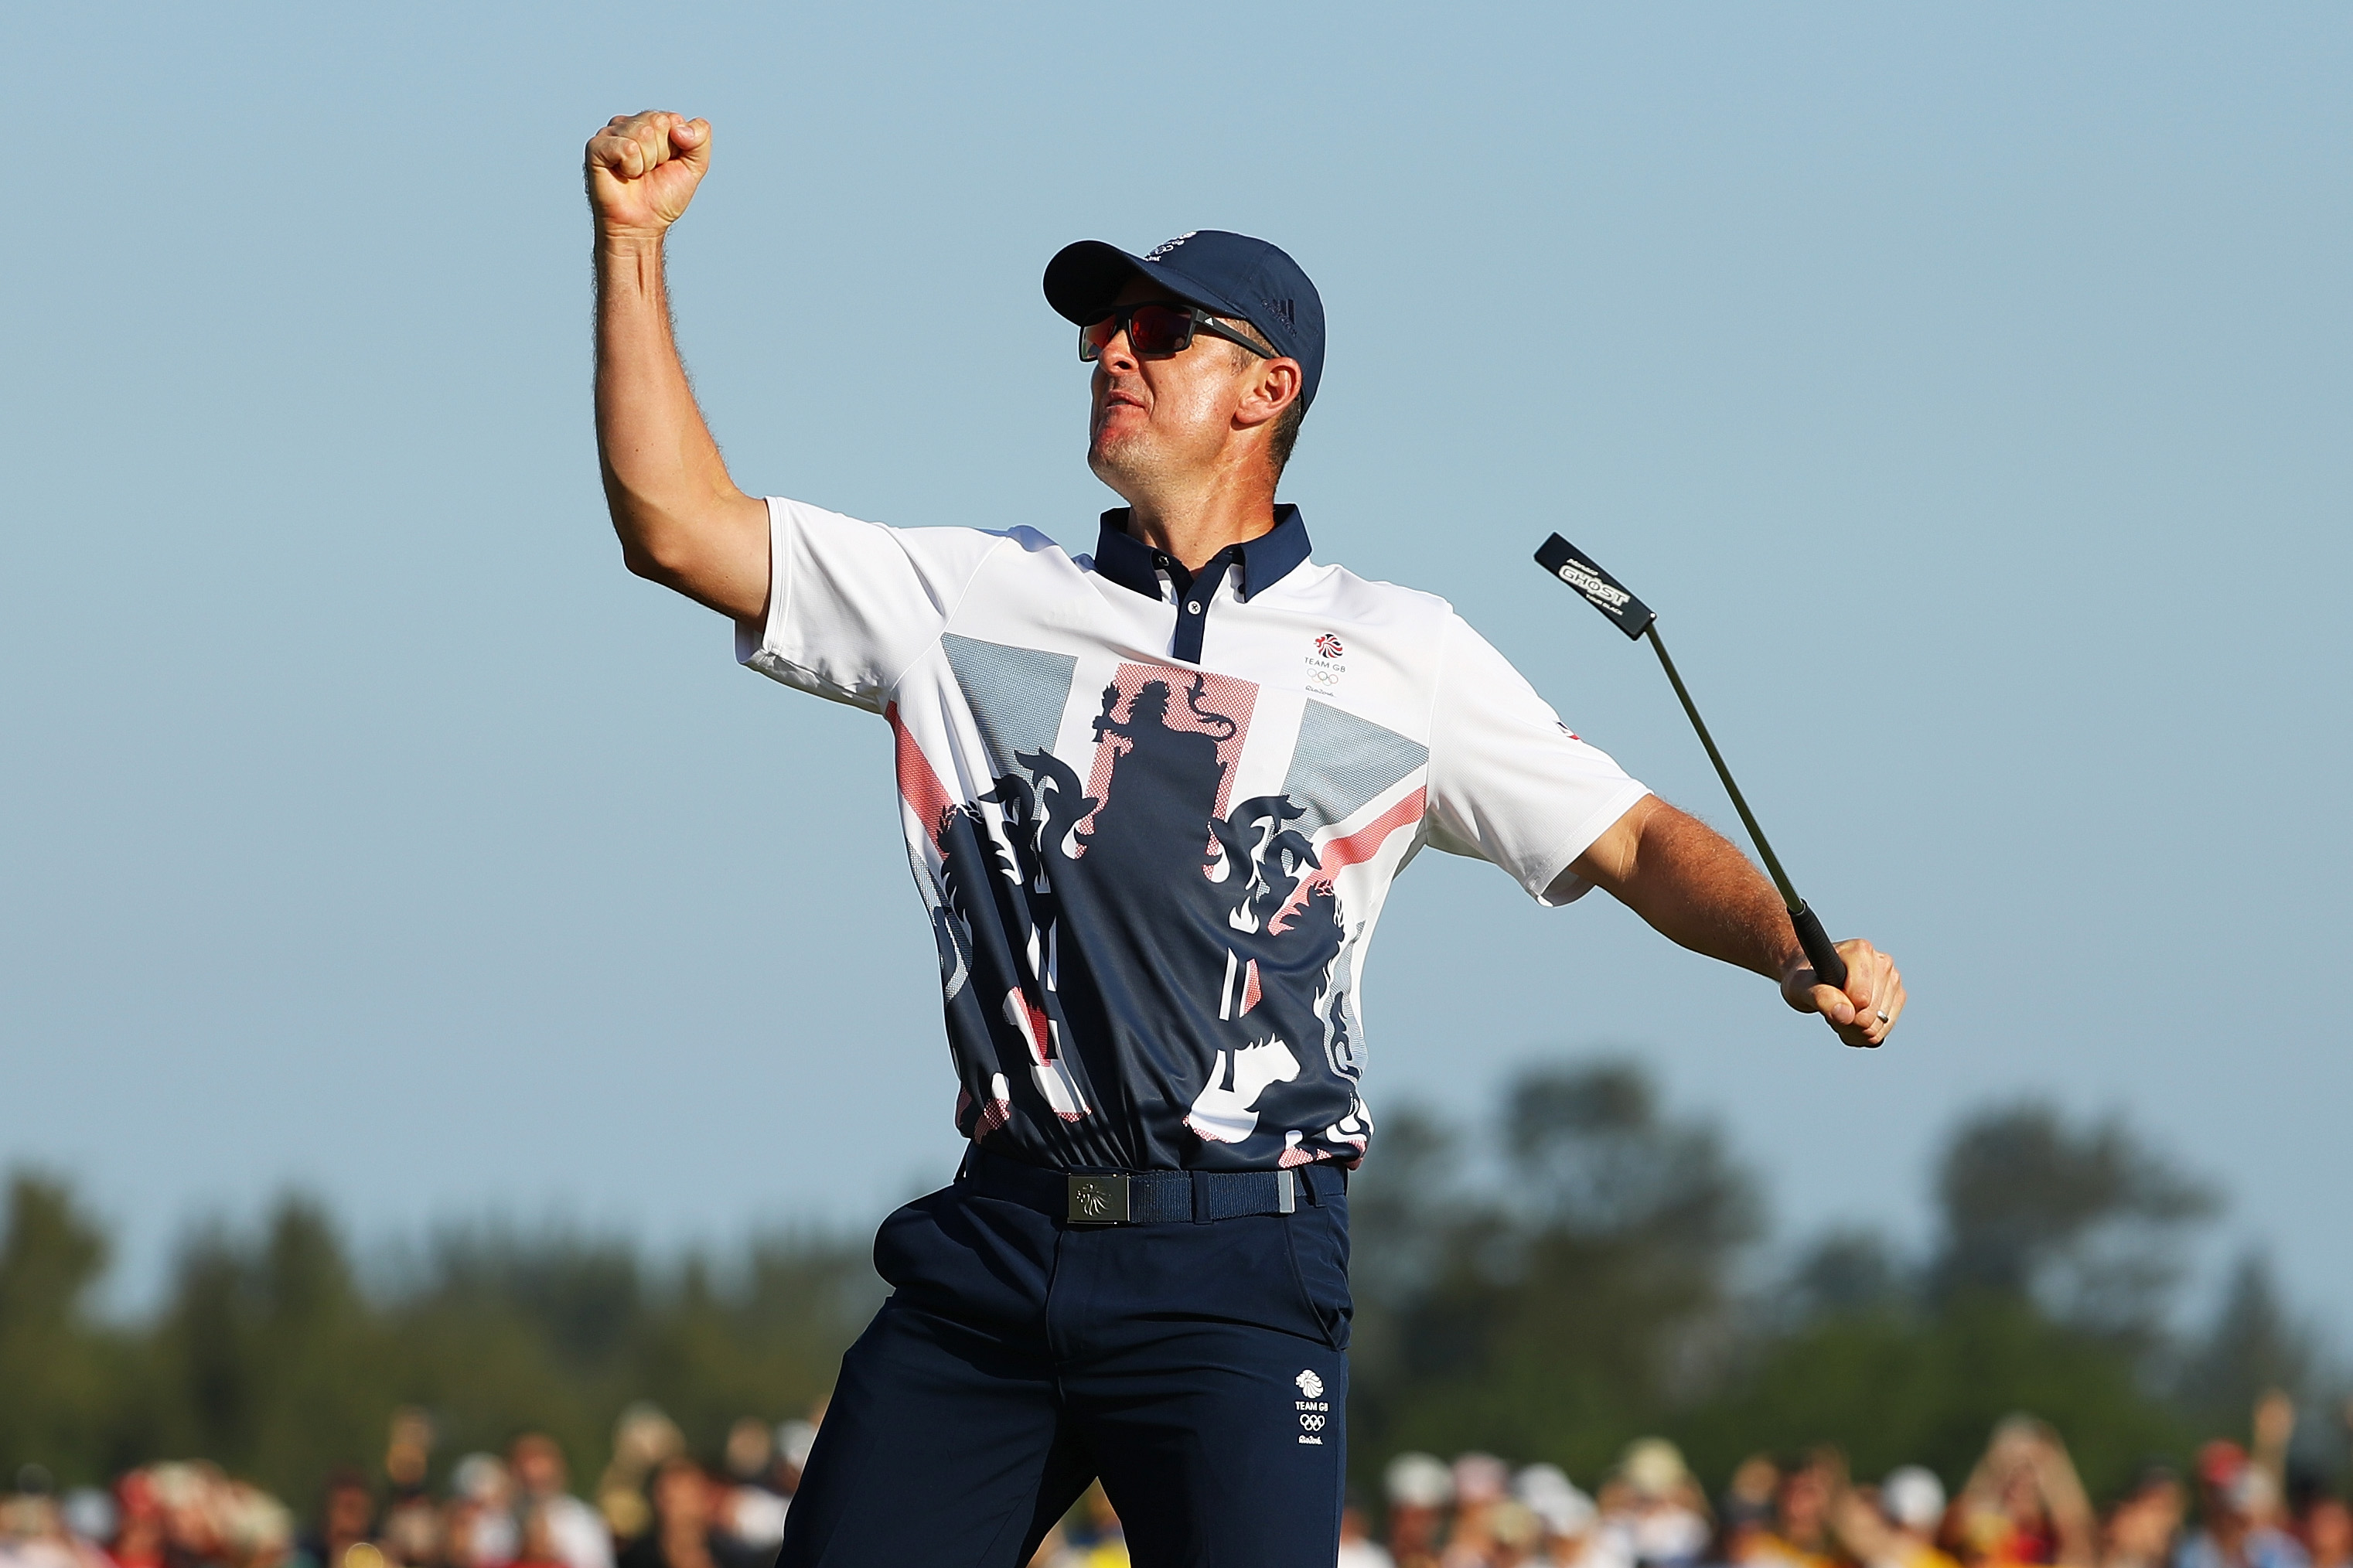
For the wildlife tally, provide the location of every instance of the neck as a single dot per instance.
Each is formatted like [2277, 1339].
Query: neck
[1193, 526]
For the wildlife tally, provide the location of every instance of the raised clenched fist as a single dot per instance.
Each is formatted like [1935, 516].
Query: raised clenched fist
[642, 169]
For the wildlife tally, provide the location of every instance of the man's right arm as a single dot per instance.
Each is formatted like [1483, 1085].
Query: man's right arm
[682, 520]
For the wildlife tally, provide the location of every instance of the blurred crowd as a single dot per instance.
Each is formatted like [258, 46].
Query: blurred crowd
[655, 1505]
[2022, 1504]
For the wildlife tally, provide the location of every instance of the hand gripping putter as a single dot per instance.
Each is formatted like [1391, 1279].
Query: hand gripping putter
[1638, 620]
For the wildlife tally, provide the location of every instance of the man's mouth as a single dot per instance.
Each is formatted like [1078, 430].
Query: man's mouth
[1112, 404]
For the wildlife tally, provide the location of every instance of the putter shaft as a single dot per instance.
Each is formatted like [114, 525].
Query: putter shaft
[1564, 560]
[1789, 900]
[1828, 967]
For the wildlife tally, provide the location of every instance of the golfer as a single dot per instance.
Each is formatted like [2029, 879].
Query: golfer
[1154, 798]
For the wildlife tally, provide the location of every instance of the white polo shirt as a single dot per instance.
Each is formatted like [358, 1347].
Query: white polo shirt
[1154, 816]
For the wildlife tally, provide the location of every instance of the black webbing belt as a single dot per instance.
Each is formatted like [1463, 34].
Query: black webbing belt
[1150, 1197]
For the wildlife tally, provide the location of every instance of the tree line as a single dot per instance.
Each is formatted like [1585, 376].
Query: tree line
[1605, 1278]
[1585, 1268]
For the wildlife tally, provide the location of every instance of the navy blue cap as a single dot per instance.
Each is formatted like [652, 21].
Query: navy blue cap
[1230, 274]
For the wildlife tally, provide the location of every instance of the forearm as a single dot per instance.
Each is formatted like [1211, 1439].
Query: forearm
[1693, 888]
[682, 520]
[2071, 1518]
[1696, 890]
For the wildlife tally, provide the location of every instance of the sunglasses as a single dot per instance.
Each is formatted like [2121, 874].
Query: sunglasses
[1155, 331]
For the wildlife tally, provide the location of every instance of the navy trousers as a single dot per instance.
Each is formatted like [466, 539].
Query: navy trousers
[1197, 1367]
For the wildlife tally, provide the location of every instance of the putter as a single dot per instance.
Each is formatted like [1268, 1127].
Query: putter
[1638, 620]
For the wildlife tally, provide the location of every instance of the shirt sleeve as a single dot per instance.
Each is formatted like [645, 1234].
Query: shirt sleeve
[853, 605]
[1508, 781]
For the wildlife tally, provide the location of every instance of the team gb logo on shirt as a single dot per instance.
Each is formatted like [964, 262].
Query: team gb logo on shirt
[1327, 664]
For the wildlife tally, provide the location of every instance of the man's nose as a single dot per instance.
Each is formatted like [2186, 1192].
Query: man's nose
[1118, 355]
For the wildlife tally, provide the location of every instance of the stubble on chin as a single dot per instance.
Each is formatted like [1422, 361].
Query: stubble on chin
[1123, 462]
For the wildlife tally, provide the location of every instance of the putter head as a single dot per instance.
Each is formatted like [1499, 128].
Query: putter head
[1603, 592]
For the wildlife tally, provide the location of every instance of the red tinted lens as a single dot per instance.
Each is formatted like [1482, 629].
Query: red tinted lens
[1156, 330]
[1096, 336]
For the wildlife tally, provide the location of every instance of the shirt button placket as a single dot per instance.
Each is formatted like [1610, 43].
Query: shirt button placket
[1189, 625]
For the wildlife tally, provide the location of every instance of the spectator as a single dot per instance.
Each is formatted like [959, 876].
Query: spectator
[1569, 1519]
[535, 1544]
[1357, 1549]
[31, 1534]
[746, 1454]
[752, 1521]
[1747, 1512]
[2274, 1428]
[461, 1523]
[481, 1529]
[1051, 1547]
[90, 1518]
[2236, 1500]
[1482, 1483]
[2023, 1503]
[1517, 1533]
[410, 1535]
[1799, 1533]
[2327, 1526]
[1898, 1528]
[139, 1536]
[752, 1508]
[2142, 1527]
[1099, 1542]
[685, 1521]
[1652, 1509]
[1419, 1486]
[255, 1530]
[766, 1465]
[795, 1439]
[1912, 1501]
[409, 1450]
[574, 1530]
[643, 1440]
[191, 1534]
[346, 1518]
[410, 1531]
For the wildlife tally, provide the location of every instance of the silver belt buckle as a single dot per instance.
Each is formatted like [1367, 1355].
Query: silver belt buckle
[1098, 1200]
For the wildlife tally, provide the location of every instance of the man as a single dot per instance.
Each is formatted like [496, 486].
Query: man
[1800, 1536]
[1357, 1548]
[574, 1531]
[1652, 1512]
[1154, 798]
[2237, 1503]
[1901, 1531]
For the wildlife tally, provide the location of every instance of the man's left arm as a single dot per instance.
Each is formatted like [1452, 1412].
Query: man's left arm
[1694, 888]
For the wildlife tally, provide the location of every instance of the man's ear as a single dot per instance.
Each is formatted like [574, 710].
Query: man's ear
[1275, 386]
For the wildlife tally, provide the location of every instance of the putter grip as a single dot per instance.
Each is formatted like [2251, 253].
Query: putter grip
[1829, 969]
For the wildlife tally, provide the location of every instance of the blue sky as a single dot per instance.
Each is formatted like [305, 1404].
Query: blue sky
[1967, 386]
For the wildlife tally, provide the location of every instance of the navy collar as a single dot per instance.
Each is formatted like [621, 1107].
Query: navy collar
[1262, 562]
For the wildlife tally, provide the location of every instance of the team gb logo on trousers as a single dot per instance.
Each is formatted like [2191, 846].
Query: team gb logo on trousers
[1314, 1414]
